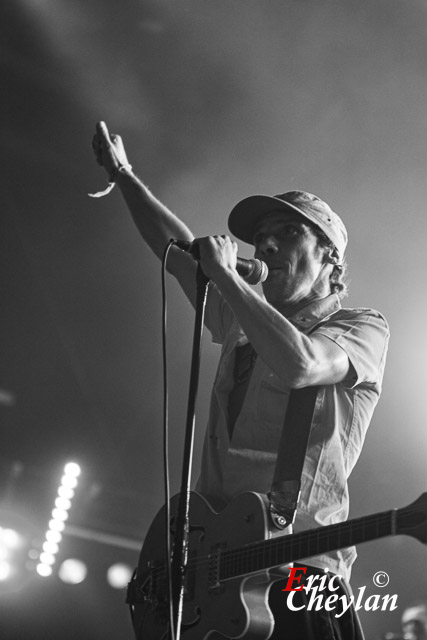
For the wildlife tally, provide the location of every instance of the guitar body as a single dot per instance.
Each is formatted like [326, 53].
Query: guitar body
[235, 608]
[233, 558]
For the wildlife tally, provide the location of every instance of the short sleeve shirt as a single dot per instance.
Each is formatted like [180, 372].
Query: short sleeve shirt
[342, 413]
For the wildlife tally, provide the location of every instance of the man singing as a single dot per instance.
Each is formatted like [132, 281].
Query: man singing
[296, 335]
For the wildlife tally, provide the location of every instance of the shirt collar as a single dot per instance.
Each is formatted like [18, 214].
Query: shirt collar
[316, 311]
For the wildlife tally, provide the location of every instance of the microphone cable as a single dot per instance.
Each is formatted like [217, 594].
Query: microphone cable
[168, 546]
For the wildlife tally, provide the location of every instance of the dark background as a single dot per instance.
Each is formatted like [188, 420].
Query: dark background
[215, 101]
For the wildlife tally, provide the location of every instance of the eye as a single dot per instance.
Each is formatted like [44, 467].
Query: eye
[289, 230]
[282, 231]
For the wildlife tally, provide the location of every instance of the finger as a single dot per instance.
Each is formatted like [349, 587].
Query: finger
[102, 130]
[104, 136]
[115, 138]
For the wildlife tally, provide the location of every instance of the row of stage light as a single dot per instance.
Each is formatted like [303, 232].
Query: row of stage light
[59, 515]
[71, 570]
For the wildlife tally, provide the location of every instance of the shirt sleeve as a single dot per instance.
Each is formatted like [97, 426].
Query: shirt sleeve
[363, 334]
[218, 315]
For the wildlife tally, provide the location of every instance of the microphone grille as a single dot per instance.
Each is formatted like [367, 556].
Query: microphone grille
[259, 272]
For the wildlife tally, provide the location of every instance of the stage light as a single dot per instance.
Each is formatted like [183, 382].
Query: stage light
[65, 492]
[5, 570]
[10, 538]
[72, 571]
[59, 514]
[63, 503]
[72, 469]
[16, 533]
[118, 575]
[53, 536]
[69, 481]
[10, 541]
[44, 570]
[56, 525]
[47, 558]
[50, 547]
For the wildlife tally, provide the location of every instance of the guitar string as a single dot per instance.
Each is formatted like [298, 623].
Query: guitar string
[259, 549]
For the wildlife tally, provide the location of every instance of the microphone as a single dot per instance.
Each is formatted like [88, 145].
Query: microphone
[252, 271]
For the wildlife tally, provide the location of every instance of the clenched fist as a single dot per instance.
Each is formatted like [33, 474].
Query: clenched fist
[108, 149]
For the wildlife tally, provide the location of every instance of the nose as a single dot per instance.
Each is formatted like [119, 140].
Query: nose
[267, 246]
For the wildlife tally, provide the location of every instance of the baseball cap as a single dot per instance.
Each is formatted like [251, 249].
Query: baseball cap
[247, 212]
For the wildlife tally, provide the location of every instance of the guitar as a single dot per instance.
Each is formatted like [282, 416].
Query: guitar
[233, 559]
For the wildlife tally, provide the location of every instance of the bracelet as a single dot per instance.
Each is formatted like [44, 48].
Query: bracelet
[120, 169]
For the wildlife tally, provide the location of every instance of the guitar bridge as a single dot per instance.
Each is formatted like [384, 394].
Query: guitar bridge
[135, 591]
[148, 588]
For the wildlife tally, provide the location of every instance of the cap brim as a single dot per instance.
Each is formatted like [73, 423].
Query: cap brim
[247, 212]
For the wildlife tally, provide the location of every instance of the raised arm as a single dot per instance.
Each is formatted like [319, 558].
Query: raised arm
[155, 222]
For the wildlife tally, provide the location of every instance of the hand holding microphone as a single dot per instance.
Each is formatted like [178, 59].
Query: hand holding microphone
[252, 271]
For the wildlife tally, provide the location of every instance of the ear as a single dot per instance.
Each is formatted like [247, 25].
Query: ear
[331, 256]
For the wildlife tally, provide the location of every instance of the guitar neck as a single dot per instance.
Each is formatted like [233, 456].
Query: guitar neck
[267, 554]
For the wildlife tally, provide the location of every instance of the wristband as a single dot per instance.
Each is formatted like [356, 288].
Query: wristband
[120, 169]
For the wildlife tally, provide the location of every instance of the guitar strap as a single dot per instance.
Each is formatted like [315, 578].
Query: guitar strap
[286, 487]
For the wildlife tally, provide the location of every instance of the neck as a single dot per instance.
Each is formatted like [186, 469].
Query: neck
[290, 300]
[289, 307]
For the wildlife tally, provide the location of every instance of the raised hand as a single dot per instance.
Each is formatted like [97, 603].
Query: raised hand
[109, 150]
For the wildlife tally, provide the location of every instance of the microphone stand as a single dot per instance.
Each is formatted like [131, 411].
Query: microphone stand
[180, 546]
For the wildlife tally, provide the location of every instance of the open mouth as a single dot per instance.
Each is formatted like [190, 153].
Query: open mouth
[273, 271]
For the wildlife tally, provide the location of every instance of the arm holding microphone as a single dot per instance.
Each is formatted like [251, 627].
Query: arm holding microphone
[292, 355]
[273, 337]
